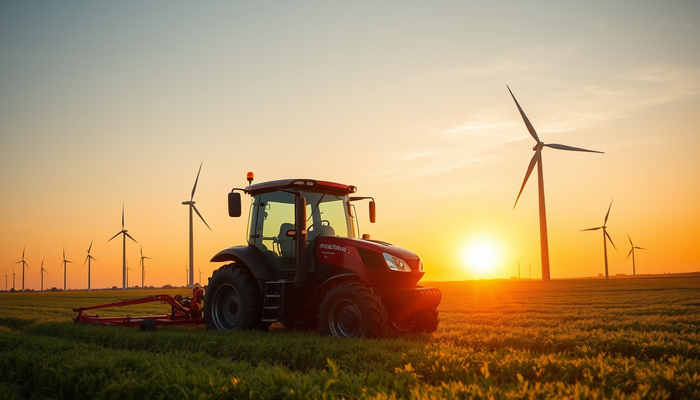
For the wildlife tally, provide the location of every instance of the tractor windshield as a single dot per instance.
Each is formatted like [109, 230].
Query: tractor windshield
[272, 216]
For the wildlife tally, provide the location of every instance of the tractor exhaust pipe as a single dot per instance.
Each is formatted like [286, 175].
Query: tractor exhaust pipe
[300, 210]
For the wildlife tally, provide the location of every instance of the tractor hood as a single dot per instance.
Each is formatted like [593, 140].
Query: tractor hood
[366, 259]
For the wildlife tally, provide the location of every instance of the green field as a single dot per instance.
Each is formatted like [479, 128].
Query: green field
[631, 338]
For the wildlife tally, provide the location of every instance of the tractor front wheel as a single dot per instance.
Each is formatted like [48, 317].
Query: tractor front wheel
[232, 300]
[351, 309]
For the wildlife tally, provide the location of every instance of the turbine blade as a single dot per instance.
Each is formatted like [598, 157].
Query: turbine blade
[141, 249]
[590, 229]
[194, 188]
[640, 248]
[533, 161]
[129, 236]
[529, 126]
[23, 249]
[115, 235]
[570, 148]
[86, 260]
[90, 248]
[629, 254]
[628, 237]
[122, 216]
[200, 216]
[608, 214]
[610, 239]
[93, 258]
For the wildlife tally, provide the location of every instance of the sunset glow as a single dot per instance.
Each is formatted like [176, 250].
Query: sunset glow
[103, 107]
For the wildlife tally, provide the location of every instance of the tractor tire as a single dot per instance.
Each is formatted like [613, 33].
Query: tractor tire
[421, 321]
[232, 301]
[147, 325]
[351, 309]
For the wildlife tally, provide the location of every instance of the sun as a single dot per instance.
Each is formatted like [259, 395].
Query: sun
[481, 256]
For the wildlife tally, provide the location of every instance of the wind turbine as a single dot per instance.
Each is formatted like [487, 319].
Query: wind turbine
[123, 232]
[192, 207]
[6, 276]
[13, 278]
[606, 237]
[64, 264]
[41, 271]
[87, 260]
[127, 276]
[537, 159]
[634, 269]
[24, 264]
[143, 268]
[518, 262]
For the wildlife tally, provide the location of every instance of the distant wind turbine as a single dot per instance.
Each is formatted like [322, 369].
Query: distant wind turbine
[6, 276]
[606, 237]
[143, 268]
[41, 271]
[24, 264]
[634, 269]
[88, 260]
[192, 207]
[537, 159]
[64, 264]
[13, 277]
[123, 232]
[127, 276]
[518, 262]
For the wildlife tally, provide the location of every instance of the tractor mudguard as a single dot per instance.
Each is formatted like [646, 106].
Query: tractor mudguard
[251, 258]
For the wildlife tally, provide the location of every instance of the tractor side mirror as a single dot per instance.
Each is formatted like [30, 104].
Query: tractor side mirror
[372, 212]
[234, 204]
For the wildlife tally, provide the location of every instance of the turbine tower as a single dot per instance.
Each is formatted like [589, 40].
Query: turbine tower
[537, 159]
[88, 260]
[42, 270]
[64, 264]
[24, 264]
[13, 278]
[143, 268]
[606, 237]
[125, 235]
[192, 207]
[6, 276]
[127, 276]
[634, 269]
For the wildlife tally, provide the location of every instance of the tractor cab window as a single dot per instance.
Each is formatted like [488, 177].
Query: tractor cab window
[274, 217]
[327, 215]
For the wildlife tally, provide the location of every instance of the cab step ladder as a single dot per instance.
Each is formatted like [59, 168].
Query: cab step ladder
[272, 304]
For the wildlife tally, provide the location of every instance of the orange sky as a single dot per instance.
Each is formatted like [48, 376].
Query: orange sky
[104, 105]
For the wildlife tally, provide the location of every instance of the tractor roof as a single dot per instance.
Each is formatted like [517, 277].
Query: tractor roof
[305, 185]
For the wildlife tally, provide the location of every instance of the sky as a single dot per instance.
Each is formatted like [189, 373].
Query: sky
[111, 104]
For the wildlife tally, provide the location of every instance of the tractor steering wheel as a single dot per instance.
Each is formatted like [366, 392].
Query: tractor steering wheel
[310, 228]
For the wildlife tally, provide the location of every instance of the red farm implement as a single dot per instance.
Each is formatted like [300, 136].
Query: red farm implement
[184, 311]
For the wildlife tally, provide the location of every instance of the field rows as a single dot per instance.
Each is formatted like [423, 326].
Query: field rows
[500, 339]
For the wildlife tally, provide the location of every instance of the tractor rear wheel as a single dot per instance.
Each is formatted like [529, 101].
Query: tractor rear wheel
[232, 300]
[351, 309]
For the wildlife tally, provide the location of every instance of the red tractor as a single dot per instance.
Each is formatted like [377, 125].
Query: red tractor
[303, 265]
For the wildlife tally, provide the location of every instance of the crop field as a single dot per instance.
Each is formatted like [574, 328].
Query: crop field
[624, 338]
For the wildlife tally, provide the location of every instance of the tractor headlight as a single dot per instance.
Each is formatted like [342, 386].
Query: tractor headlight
[420, 266]
[396, 263]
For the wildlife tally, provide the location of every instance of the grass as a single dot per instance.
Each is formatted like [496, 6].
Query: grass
[632, 338]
